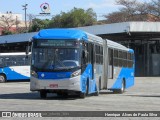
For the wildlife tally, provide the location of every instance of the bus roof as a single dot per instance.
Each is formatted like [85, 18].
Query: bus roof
[118, 46]
[61, 34]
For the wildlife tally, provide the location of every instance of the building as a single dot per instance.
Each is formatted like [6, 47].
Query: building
[11, 22]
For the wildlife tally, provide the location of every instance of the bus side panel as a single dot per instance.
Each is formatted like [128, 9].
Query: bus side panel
[130, 78]
[17, 72]
[128, 75]
[87, 74]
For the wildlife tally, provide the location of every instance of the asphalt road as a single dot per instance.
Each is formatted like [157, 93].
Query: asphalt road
[143, 96]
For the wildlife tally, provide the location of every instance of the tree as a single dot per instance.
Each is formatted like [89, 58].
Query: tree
[7, 22]
[38, 24]
[132, 11]
[5, 32]
[77, 17]
[154, 7]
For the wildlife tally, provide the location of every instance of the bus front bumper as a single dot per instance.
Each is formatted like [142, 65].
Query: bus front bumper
[72, 84]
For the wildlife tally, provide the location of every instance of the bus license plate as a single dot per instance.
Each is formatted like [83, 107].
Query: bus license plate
[53, 85]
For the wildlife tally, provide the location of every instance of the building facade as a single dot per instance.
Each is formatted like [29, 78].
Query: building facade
[11, 22]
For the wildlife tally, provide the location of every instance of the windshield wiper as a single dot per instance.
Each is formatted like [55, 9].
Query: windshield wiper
[56, 59]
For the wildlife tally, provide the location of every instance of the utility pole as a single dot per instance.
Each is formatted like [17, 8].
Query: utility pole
[25, 9]
[16, 23]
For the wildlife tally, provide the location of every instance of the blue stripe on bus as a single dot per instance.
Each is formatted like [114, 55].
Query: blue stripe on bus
[12, 75]
[92, 82]
[129, 79]
[54, 75]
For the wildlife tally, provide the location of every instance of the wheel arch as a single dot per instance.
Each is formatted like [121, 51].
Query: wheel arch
[5, 76]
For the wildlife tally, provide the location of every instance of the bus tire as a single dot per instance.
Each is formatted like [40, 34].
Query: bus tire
[43, 94]
[65, 95]
[87, 86]
[122, 88]
[82, 95]
[96, 93]
[2, 78]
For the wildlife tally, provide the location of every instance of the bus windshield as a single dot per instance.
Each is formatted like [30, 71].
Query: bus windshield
[55, 58]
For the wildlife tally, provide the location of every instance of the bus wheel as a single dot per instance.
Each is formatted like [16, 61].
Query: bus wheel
[2, 79]
[96, 93]
[122, 88]
[43, 94]
[82, 95]
[87, 86]
[65, 95]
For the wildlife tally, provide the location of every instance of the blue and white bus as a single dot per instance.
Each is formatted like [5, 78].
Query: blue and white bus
[14, 66]
[66, 61]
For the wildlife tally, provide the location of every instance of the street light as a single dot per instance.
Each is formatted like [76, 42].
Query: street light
[25, 8]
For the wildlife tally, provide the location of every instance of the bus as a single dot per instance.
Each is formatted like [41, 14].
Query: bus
[14, 66]
[71, 61]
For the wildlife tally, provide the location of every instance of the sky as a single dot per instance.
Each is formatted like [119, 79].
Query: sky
[101, 7]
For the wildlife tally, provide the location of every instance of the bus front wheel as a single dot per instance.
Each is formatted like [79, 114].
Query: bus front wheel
[2, 79]
[122, 88]
[82, 95]
[43, 94]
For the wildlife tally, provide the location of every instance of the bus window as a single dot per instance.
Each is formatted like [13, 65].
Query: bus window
[8, 61]
[120, 55]
[116, 53]
[1, 60]
[110, 53]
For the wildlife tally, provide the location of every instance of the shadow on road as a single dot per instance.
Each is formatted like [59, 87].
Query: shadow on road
[36, 96]
[19, 96]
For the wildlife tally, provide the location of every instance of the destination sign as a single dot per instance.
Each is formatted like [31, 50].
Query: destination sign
[56, 43]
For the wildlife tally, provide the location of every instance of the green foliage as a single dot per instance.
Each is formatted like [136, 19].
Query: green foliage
[7, 32]
[38, 24]
[77, 17]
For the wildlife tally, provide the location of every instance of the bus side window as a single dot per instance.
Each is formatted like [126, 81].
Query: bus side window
[87, 49]
[2, 63]
[120, 59]
[89, 52]
[125, 59]
[27, 60]
[8, 61]
[1, 60]
[101, 54]
[129, 60]
[116, 58]
[18, 61]
[13, 59]
[110, 53]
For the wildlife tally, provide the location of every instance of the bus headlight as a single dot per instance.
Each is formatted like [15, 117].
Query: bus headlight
[34, 74]
[76, 73]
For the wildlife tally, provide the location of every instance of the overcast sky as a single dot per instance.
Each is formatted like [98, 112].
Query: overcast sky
[101, 7]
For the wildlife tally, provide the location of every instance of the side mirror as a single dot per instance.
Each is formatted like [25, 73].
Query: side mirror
[27, 51]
